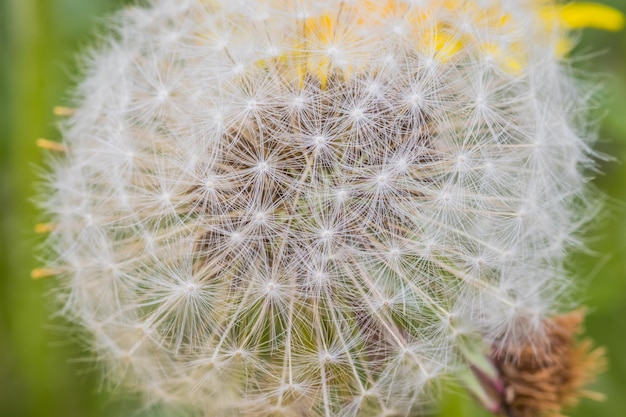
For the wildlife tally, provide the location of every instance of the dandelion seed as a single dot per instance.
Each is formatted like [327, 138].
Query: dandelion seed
[323, 208]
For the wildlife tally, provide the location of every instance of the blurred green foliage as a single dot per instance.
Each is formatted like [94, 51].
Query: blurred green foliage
[43, 371]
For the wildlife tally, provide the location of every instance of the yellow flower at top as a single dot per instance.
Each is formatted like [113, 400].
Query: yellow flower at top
[325, 37]
[592, 15]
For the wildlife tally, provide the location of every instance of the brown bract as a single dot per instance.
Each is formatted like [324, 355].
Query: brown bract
[545, 380]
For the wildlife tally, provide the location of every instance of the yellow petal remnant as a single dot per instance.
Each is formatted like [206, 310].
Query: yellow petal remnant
[45, 227]
[63, 111]
[40, 273]
[580, 15]
[50, 145]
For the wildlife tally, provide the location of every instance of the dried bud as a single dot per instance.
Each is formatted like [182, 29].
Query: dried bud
[545, 377]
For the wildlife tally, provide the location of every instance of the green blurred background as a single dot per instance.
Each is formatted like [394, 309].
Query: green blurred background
[42, 369]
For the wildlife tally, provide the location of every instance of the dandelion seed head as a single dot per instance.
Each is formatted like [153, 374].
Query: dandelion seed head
[304, 208]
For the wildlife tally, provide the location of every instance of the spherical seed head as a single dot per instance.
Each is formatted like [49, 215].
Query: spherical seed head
[305, 208]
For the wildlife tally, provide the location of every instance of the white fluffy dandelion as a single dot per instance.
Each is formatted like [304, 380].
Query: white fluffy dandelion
[294, 208]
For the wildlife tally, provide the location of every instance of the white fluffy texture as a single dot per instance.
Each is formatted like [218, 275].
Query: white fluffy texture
[258, 217]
